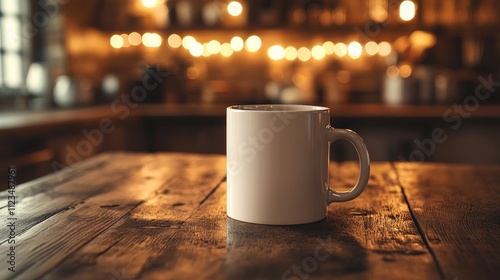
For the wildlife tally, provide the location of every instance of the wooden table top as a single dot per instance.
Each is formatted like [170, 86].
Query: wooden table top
[162, 216]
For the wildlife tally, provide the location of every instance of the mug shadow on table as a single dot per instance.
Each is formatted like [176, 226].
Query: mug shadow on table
[291, 252]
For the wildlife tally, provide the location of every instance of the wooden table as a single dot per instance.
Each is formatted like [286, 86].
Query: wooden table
[162, 216]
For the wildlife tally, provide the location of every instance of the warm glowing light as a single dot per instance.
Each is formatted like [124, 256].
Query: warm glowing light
[276, 52]
[405, 70]
[116, 41]
[135, 39]
[329, 47]
[205, 52]
[237, 43]
[213, 47]
[234, 8]
[174, 41]
[196, 49]
[371, 48]
[384, 48]
[340, 49]
[126, 43]
[253, 43]
[422, 40]
[151, 40]
[407, 10]
[392, 71]
[378, 10]
[149, 3]
[304, 54]
[318, 52]
[193, 73]
[188, 41]
[354, 50]
[290, 53]
[226, 50]
[301, 80]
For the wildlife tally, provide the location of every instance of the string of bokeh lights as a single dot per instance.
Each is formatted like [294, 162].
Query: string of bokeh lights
[354, 50]
[252, 44]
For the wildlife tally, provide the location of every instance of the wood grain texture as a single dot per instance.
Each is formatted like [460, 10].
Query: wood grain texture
[58, 192]
[163, 216]
[373, 236]
[122, 251]
[108, 199]
[458, 210]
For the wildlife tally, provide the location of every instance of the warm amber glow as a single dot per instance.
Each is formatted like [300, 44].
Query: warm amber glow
[392, 71]
[213, 47]
[151, 40]
[304, 54]
[188, 41]
[126, 43]
[318, 52]
[422, 39]
[354, 50]
[135, 39]
[276, 52]
[405, 70]
[253, 43]
[340, 49]
[237, 43]
[301, 80]
[226, 50]
[116, 41]
[174, 41]
[329, 47]
[196, 49]
[407, 10]
[378, 10]
[148, 3]
[384, 48]
[290, 53]
[234, 8]
[193, 73]
[371, 48]
[205, 52]
[344, 76]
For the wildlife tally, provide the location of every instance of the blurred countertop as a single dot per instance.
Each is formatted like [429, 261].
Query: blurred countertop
[27, 120]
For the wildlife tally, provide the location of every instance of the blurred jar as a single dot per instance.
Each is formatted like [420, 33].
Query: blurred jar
[446, 88]
[72, 92]
[398, 89]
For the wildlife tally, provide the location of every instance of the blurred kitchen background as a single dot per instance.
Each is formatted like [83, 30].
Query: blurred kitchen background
[417, 79]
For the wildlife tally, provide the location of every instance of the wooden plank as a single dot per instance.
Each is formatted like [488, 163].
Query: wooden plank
[61, 175]
[197, 250]
[371, 237]
[36, 202]
[124, 249]
[458, 209]
[339, 110]
[46, 244]
[381, 222]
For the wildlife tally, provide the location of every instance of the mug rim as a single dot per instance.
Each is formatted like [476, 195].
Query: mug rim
[264, 108]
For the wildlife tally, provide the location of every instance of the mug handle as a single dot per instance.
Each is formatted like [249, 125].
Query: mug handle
[364, 164]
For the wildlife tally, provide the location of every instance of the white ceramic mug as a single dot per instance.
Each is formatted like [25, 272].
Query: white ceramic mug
[277, 163]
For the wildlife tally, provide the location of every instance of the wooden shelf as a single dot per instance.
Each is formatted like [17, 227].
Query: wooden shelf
[22, 121]
[347, 29]
[337, 111]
